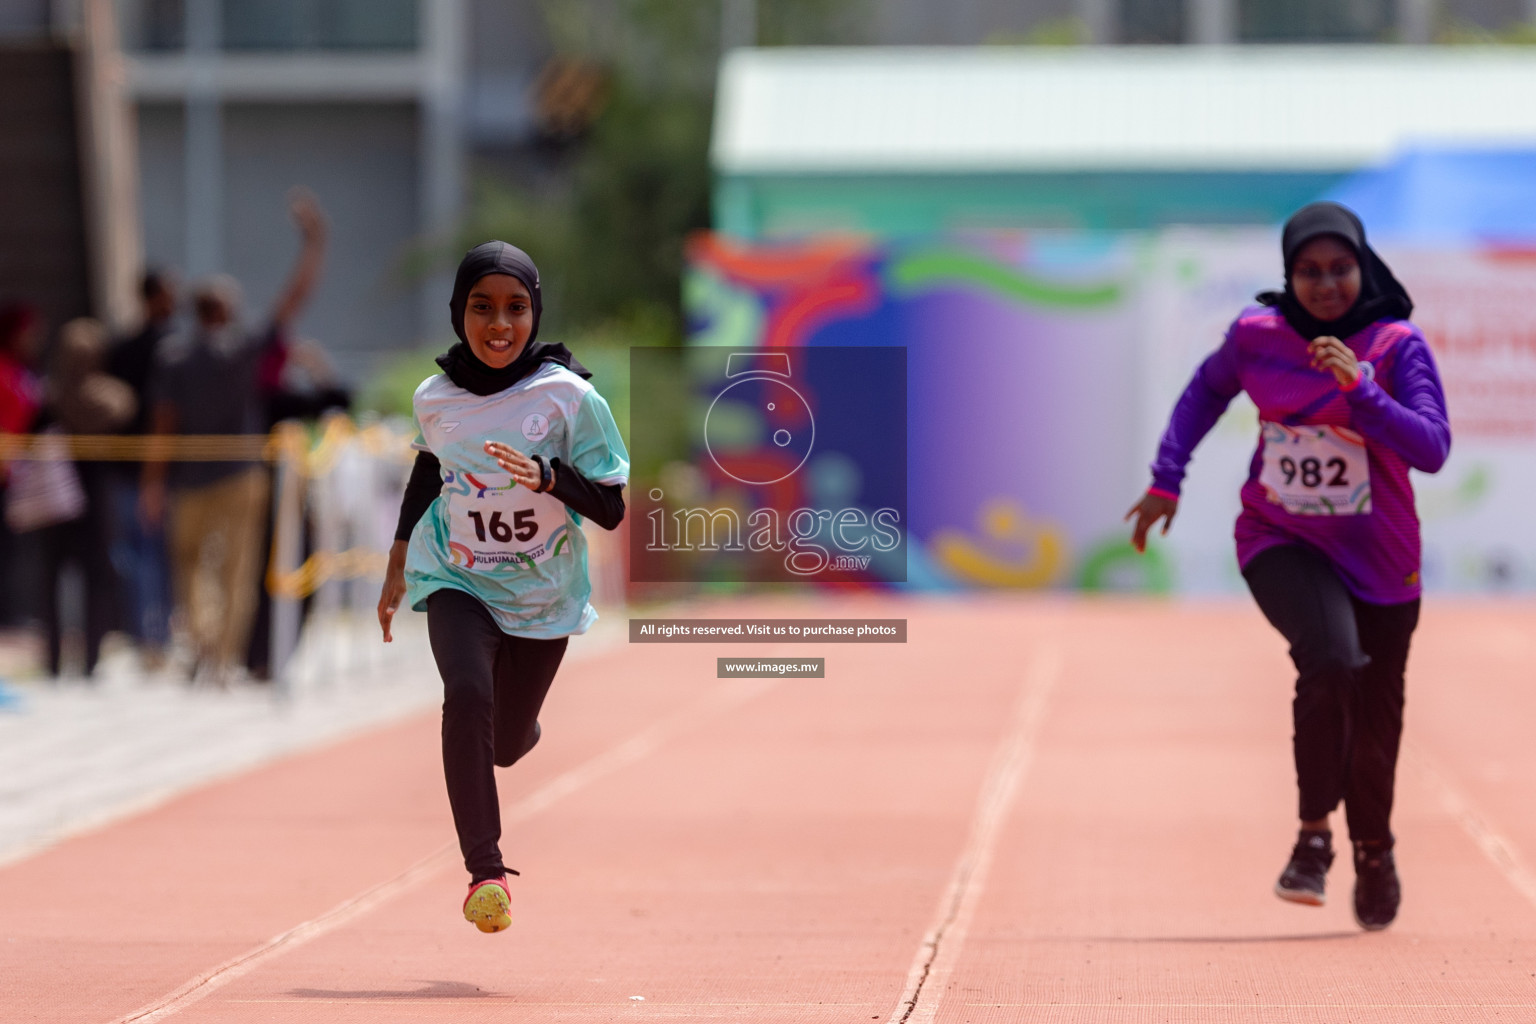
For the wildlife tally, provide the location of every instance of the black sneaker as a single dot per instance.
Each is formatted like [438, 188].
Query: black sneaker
[1377, 889]
[1304, 878]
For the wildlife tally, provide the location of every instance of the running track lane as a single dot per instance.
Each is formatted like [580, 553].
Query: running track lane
[1074, 813]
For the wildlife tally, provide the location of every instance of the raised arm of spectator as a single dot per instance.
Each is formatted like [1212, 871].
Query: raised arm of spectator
[304, 208]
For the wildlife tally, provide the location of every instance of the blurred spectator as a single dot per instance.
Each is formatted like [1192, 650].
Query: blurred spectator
[20, 397]
[138, 548]
[316, 393]
[209, 382]
[81, 399]
[20, 328]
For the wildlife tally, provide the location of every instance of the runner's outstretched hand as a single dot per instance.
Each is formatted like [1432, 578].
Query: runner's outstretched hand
[394, 588]
[1148, 511]
[523, 469]
[1329, 353]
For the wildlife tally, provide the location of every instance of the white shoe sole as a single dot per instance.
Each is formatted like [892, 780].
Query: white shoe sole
[1309, 899]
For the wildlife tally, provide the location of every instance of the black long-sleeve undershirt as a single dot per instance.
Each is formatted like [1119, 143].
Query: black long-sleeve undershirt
[601, 503]
[425, 484]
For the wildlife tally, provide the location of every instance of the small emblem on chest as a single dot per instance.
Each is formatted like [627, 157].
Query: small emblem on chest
[535, 427]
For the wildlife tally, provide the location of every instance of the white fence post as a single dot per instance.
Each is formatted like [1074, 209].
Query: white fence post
[287, 534]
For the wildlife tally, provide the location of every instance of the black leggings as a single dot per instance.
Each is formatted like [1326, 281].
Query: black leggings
[1348, 713]
[83, 542]
[493, 687]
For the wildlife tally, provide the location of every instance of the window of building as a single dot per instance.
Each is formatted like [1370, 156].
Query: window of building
[277, 24]
[319, 24]
[1328, 21]
[1152, 21]
[154, 24]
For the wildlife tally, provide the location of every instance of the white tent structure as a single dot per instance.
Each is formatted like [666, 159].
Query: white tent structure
[803, 125]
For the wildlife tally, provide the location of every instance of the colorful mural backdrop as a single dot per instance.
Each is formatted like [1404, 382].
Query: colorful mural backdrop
[1018, 403]
[1042, 367]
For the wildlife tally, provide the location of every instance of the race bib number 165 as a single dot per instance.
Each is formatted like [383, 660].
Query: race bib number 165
[1315, 470]
[495, 524]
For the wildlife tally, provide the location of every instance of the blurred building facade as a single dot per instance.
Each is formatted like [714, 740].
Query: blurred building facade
[925, 22]
[69, 237]
[386, 107]
[43, 246]
[377, 105]
[1125, 138]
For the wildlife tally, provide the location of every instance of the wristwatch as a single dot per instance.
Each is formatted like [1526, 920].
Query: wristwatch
[546, 475]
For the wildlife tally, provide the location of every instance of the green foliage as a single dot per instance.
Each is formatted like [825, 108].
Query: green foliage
[810, 22]
[388, 392]
[1049, 32]
[609, 236]
[642, 185]
[1465, 33]
[610, 246]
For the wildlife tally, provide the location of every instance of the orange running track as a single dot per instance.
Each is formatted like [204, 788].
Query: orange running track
[1035, 810]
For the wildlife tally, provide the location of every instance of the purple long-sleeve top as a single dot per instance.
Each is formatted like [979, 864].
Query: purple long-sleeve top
[1397, 405]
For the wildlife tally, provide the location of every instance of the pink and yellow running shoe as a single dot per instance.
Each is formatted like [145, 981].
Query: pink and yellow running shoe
[488, 904]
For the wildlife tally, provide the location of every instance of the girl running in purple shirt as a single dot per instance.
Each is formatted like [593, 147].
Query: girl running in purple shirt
[1349, 400]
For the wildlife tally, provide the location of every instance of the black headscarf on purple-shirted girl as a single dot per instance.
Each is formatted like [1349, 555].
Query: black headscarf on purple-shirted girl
[1381, 296]
[460, 363]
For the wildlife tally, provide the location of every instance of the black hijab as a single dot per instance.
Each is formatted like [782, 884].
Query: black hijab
[460, 363]
[1381, 296]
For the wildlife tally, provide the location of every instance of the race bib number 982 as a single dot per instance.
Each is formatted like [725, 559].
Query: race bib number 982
[496, 524]
[1315, 470]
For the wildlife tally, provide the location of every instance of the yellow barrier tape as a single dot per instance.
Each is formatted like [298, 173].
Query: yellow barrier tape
[289, 444]
[286, 441]
[143, 448]
[354, 563]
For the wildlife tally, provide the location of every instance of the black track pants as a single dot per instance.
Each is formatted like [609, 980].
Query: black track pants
[1348, 713]
[493, 687]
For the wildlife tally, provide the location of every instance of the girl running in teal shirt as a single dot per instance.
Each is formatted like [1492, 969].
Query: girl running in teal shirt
[514, 449]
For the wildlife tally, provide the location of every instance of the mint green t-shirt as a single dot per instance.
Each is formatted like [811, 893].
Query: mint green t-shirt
[522, 554]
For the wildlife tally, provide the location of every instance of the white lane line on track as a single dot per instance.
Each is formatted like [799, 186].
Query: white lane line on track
[941, 946]
[1504, 854]
[718, 700]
